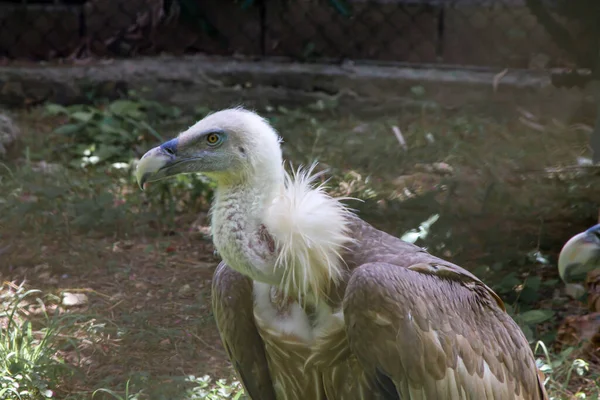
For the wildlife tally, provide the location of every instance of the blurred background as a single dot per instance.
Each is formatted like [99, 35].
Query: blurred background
[465, 126]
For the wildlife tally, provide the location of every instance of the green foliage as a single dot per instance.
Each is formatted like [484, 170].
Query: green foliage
[559, 369]
[110, 132]
[93, 187]
[28, 356]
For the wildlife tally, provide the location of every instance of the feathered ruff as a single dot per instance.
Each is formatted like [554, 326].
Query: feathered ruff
[310, 228]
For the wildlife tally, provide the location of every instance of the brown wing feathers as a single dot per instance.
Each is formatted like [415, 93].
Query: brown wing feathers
[232, 303]
[440, 338]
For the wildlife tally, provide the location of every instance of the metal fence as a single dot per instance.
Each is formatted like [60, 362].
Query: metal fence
[467, 32]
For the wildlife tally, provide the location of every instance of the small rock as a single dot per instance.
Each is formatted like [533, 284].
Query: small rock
[74, 299]
[184, 290]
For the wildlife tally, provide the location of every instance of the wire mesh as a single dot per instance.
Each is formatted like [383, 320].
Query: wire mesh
[467, 32]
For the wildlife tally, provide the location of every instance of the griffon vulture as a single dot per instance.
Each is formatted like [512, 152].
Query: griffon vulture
[311, 302]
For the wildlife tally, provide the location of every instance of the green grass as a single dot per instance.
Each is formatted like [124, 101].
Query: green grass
[561, 368]
[73, 219]
[29, 364]
[203, 388]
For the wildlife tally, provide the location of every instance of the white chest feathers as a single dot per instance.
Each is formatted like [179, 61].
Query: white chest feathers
[287, 320]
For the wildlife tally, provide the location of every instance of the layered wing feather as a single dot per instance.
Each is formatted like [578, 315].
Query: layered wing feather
[232, 303]
[430, 329]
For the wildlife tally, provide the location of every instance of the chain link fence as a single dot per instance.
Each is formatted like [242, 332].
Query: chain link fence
[501, 33]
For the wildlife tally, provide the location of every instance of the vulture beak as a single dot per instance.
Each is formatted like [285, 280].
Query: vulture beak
[580, 255]
[157, 163]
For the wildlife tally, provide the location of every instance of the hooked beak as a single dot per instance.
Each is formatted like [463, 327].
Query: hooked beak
[156, 163]
[579, 255]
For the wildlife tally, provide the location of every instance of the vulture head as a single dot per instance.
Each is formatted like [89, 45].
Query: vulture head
[230, 146]
[580, 255]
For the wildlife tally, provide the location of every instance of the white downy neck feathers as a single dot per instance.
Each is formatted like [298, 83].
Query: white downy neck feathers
[310, 229]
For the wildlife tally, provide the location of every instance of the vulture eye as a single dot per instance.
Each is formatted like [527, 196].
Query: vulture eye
[214, 139]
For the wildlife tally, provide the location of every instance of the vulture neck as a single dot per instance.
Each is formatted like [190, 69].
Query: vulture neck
[281, 230]
[238, 227]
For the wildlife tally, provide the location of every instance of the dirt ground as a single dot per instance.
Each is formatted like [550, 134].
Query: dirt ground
[147, 317]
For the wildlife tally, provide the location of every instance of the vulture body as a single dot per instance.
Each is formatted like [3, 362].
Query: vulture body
[311, 302]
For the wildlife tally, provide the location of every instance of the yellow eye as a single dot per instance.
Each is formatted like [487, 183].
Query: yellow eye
[213, 138]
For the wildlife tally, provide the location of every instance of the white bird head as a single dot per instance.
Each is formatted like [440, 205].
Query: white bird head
[580, 255]
[228, 146]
